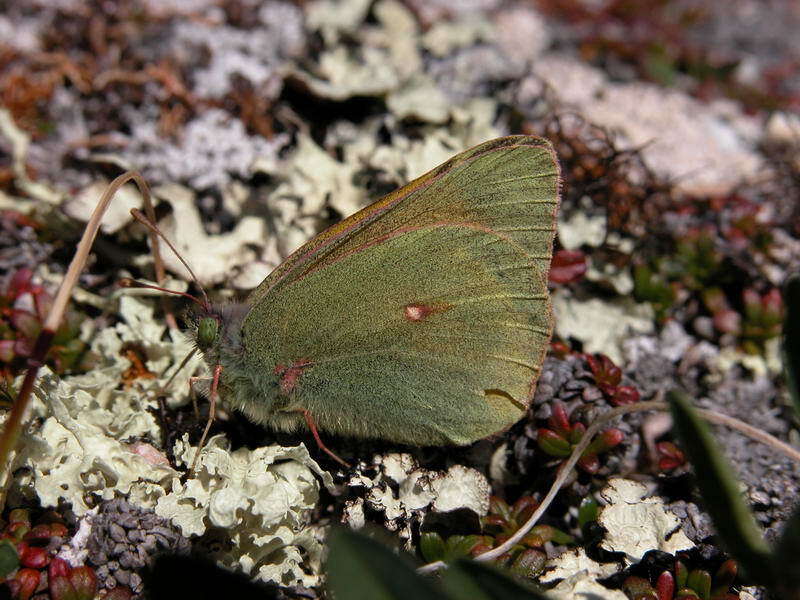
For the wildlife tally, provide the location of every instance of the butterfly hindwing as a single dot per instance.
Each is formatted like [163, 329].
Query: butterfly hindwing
[424, 318]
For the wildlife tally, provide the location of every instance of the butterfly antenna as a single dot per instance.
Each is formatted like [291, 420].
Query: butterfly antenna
[139, 216]
[127, 282]
[184, 362]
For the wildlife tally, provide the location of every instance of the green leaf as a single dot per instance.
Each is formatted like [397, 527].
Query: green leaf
[587, 511]
[473, 580]
[431, 546]
[700, 582]
[787, 568]
[359, 568]
[9, 559]
[791, 337]
[732, 518]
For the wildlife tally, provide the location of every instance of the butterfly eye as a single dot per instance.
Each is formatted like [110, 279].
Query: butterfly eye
[207, 331]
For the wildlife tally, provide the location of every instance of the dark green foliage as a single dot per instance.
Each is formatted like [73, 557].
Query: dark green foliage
[791, 337]
[525, 559]
[734, 522]
[787, 552]
[9, 559]
[360, 568]
[471, 580]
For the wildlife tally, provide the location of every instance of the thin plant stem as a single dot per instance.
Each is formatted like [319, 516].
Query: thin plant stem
[601, 421]
[13, 425]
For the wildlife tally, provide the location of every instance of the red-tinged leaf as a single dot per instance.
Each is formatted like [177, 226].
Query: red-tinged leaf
[27, 581]
[529, 563]
[552, 443]
[494, 521]
[119, 593]
[604, 441]
[19, 515]
[681, 574]
[23, 347]
[670, 456]
[752, 303]
[624, 394]
[523, 508]
[605, 372]
[545, 532]
[26, 323]
[33, 556]
[637, 586]
[61, 588]
[609, 438]
[715, 300]
[20, 283]
[43, 303]
[7, 350]
[532, 540]
[576, 434]
[39, 532]
[560, 349]
[567, 266]
[498, 506]
[58, 568]
[726, 575]
[18, 530]
[700, 582]
[559, 419]
[728, 321]
[665, 586]
[480, 549]
[590, 463]
[772, 303]
[84, 582]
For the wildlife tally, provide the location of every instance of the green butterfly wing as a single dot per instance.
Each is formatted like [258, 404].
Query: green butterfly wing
[425, 317]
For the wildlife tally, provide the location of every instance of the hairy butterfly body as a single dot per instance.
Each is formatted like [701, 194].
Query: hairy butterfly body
[423, 319]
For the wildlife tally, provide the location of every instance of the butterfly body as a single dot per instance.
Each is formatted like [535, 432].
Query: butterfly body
[422, 319]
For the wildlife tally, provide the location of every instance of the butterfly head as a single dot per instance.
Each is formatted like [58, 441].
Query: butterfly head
[217, 329]
[207, 332]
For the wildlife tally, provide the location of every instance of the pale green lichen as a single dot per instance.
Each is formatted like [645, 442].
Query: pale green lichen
[602, 325]
[636, 523]
[83, 449]
[261, 498]
[73, 455]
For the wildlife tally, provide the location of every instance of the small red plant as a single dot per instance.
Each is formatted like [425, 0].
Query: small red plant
[33, 546]
[607, 377]
[567, 266]
[526, 558]
[670, 457]
[24, 306]
[563, 435]
[763, 317]
[683, 584]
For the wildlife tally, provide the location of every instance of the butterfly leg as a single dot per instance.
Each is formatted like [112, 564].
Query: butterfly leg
[192, 381]
[313, 427]
[212, 411]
